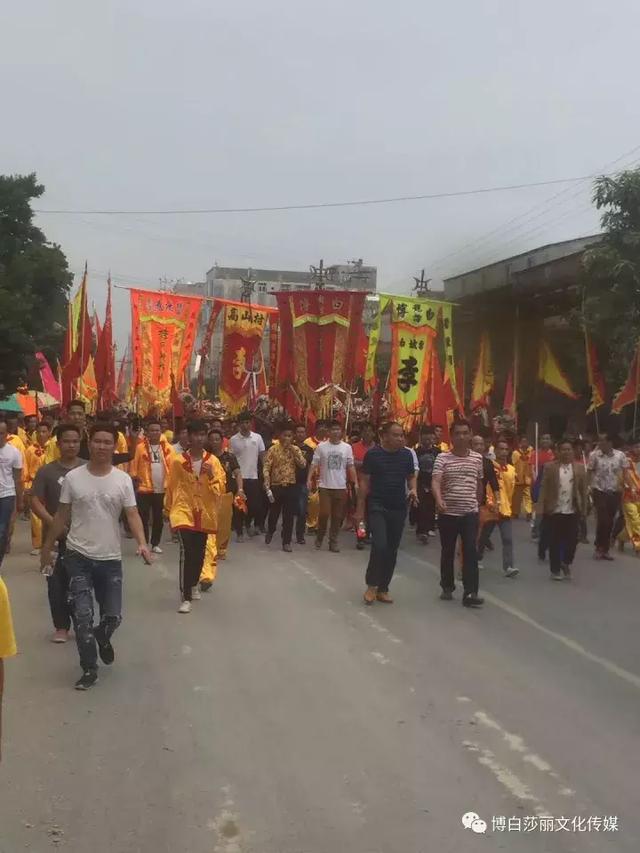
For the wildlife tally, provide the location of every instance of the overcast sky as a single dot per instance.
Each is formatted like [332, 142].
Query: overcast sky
[151, 104]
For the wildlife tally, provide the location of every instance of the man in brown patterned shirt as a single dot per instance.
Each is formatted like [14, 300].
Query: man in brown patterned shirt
[279, 470]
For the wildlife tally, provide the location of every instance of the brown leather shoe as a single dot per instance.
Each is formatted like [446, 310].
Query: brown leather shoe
[370, 595]
[384, 597]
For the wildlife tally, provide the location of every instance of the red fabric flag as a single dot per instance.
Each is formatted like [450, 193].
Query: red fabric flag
[176, 403]
[509, 405]
[242, 368]
[50, 384]
[78, 360]
[629, 391]
[104, 362]
[439, 402]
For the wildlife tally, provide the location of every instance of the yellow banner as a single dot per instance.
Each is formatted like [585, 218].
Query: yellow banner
[410, 361]
[415, 312]
[449, 359]
[374, 338]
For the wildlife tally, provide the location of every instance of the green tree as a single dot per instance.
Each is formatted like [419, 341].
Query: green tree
[34, 283]
[612, 275]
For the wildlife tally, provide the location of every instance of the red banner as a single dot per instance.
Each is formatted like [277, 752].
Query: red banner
[242, 370]
[319, 336]
[163, 329]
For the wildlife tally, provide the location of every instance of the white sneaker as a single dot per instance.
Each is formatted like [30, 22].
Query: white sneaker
[511, 572]
[185, 607]
[431, 533]
[157, 549]
[480, 564]
[195, 593]
[35, 552]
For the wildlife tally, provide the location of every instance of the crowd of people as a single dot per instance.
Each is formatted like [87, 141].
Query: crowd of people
[89, 482]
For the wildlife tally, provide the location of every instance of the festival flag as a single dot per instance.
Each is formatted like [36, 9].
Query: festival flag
[629, 391]
[439, 405]
[80, 341]
[50, 384]
[242, 369]
[163, 329]
[461, 385]
[509, 404]
[410, 364]
[594, 374]
[550, 372]
[274, 347]
[318, 339]
[122, 372]
[484, 377]
[446, 312]
[87, 389]
[104, 361]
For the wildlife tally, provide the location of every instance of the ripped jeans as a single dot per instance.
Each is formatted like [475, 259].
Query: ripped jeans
[86, 578]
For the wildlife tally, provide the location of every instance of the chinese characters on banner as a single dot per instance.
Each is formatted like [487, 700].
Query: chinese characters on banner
[319, 332]
[242, 371]
[163, 329]
[446, 313]
[410, 362]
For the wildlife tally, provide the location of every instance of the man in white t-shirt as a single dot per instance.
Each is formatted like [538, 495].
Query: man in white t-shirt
[333, 465]
[248, 448]
[92, 499]
[11, 495]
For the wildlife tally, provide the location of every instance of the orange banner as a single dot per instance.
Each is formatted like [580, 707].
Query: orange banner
[163, 327]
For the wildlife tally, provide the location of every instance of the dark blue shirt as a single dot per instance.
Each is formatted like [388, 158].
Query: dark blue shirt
[388, 471]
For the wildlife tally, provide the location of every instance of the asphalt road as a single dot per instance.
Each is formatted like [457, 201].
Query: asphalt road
[282, 716]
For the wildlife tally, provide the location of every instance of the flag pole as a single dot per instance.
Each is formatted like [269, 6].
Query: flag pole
[588, 355]
[516, 360]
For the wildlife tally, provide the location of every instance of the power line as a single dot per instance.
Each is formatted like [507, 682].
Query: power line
[317, 205]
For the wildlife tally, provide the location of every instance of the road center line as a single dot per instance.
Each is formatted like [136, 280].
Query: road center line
[608, 665]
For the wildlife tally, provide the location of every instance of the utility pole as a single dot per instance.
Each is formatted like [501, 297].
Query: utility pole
[319, 275]
[248, 286]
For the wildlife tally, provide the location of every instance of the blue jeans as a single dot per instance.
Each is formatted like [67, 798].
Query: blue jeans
[7, 508]
[86, 577]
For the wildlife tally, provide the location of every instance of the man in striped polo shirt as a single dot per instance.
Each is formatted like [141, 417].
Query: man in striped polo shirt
[457, 487]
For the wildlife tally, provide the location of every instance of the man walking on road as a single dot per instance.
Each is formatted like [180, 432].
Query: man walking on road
[426, 451]
[302, 497]
[563, 502]
[196, 481]
[386, 473]
[92, 498]
[498, 508]
[457, 486]
[149, 473]
[248, 448]
[45, 500]
[607, 476]
[11, 488]
[333, 463]
[282, 462]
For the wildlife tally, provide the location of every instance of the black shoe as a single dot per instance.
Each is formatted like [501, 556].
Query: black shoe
[287, 548]
[301, 541]
[446, 595]
[87, 680]
[205, 586]
[105, 649]
[472, 600]
[267, 539]
[318, 544]
[334, 549]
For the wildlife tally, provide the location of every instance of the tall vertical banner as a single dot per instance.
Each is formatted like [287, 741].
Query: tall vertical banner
[242, 369]
[374, 339]
[446, 312]
[319, 336]
[163, 330]
[413, 331]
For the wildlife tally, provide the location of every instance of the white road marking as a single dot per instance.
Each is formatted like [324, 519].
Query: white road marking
[463, 699]
[514, 785]
[380, 657]
[378, 627]
[573, 645]
[313, 577]
[186, 650]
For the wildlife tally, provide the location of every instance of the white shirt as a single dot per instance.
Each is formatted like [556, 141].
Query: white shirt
[565, 490]
[333, 461]
[10, 461]
[416, 464]
[247, 449]
[96, 506]
[158, 472]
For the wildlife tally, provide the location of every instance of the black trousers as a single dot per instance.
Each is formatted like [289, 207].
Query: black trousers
[255, 506]
[193, 544]
[563, 539]
[385, 529]
[151, 504]
[543, 537]
[302, 503]
[285, 500]
[58, 593]
[607, 505]
[466, 527]
[426, 512]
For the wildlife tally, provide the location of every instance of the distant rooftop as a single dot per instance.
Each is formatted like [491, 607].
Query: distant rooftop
[552, 265]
